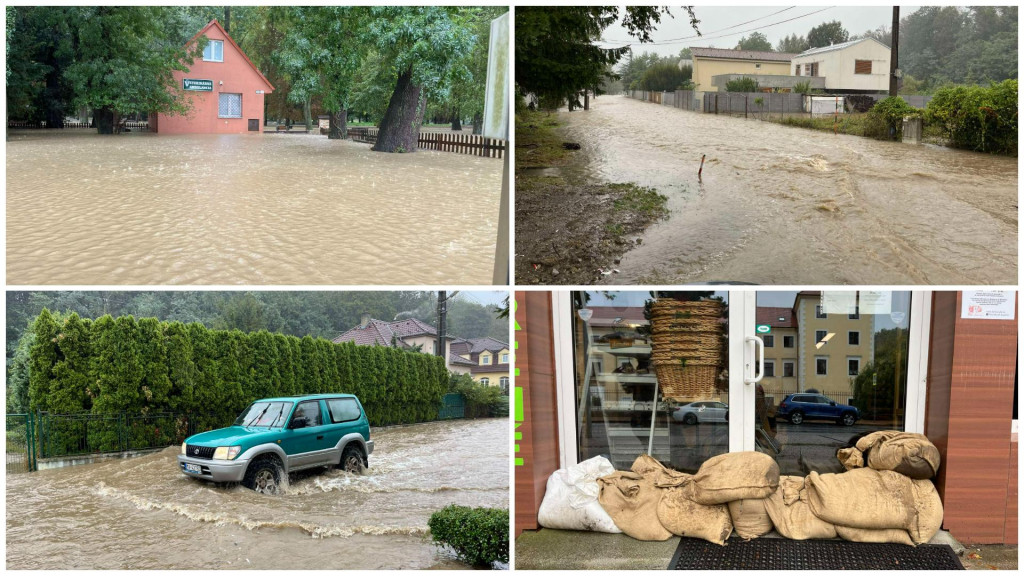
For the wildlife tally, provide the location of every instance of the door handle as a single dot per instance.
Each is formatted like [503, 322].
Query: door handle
[320, 437]
[758, 343]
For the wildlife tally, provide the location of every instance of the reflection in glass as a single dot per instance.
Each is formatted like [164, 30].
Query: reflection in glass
[844, 371]
[651, 376]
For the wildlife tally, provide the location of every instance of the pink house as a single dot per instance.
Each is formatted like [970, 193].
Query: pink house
[225, 87]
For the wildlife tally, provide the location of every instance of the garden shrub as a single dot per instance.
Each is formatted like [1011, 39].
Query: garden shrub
[743, 84]
[481, 401]
[118, 365]
[980, 118]
[479, 536]
[885, 119]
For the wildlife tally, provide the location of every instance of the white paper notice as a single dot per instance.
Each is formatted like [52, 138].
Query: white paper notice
[988, 304]
[839, 302]
[875, 302]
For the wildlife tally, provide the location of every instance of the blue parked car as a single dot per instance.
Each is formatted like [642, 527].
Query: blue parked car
[808, 406]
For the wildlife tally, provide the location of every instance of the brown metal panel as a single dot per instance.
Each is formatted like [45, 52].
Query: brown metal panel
[537, 433]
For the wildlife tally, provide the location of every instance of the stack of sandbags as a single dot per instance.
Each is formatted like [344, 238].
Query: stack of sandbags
[868, 505]
[570, 502]
[651, 502]
[791, 513]
[740, 480]
[910, 454]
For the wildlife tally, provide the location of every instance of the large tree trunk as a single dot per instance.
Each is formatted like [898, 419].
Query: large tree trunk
[105, 119]
[52, 97]
[400, 127]
[307, 115]
[478, 123]
[456, 121]
[338, 125]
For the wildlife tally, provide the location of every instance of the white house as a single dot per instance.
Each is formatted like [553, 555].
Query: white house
[854, 66]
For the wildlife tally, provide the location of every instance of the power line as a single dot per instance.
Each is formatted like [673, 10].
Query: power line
[678, 40]
[714, 32]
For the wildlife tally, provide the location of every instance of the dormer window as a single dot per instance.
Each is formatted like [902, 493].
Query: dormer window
[485, 359]
[214, 51]
[504, 358]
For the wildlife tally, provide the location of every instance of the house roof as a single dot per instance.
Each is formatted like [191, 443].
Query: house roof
[841, 46]
[775, 317]
[412, 327]
[376, 332]
[214, 23]
[729, 54]
[617, 315]
[454, 358]
[489, 344]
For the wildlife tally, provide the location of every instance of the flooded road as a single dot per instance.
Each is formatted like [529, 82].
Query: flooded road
[143, 208]
[142, 513]
[781, 205]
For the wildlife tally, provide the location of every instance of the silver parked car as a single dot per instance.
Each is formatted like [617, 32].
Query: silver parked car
[704, 411]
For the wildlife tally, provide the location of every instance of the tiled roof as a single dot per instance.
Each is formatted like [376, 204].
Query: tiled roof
[456, 359]
[842, 46]
[775, 317]
[489, 344]
[487, 368]
[376, 332]
[412, 327]
[741, 54]
[460, 346]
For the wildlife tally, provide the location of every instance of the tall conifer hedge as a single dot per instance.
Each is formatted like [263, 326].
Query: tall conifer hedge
[147, 366]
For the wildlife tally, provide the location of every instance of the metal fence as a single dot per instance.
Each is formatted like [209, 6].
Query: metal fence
[20, 443]
[753, 104]
[453, 406]
[24, 125]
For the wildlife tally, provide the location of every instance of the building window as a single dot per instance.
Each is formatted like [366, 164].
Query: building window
[819, 335]
[853, 338]
[769, 341]
[788, 368]
[485, 381]
[504, 358]
[230, 106]
[214, 51]
[862, 66]
[854, 365]
[769, 368]
[788, 341]
[821, 366]
[856, 314]
[485, 359]
[757, 66]
[819, 312]
[812, 69]
[503, 383]
[797, 70]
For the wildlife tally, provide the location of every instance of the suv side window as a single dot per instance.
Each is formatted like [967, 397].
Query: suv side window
[309, 410]
[343, 410]
[801, 399]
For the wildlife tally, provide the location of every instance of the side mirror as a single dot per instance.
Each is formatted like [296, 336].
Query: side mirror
[298, 423]
[832, 403]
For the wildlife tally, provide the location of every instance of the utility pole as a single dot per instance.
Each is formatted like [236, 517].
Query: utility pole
[442, 313]
[894, 57]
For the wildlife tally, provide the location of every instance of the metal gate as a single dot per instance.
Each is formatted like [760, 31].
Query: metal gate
[452, 406]
[21, 445]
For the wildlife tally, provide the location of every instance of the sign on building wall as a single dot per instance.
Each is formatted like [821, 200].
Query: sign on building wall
[196, 85]
[988, 304]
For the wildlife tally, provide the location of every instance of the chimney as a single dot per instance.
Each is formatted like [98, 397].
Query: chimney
[364, 320]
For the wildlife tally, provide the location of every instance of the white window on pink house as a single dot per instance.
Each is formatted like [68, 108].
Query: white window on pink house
[230, 106]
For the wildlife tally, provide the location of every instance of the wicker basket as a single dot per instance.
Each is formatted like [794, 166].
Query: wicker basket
[686, 347]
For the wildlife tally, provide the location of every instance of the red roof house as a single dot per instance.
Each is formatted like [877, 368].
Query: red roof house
[224, 86]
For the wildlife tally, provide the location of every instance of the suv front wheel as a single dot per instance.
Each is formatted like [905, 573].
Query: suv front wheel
[796, 417]
[847, 419]
[264, 476]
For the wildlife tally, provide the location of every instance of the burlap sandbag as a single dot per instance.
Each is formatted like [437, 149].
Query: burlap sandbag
[910, 454]
[682, 516]
[632, 502]
[850, 458]
[886, 536]
[863, 498]
[791, 514]
[749, 518]
[735, 476]
[929, 511]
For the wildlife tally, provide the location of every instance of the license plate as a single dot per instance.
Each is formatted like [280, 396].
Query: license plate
[195, 468]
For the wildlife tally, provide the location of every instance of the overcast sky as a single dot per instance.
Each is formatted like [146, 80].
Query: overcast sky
[722, 27]
[488, 298]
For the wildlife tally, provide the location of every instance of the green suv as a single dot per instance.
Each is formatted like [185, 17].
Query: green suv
[276, 436]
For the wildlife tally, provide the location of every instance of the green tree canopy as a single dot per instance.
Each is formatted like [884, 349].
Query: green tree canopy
[827, 34]
[756, 41]
[666, 76]
[792, 44]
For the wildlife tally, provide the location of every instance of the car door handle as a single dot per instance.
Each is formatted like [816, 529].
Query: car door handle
[320, 437]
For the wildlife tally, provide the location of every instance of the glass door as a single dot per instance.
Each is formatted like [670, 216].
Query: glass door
[836, 366]
[652, 375]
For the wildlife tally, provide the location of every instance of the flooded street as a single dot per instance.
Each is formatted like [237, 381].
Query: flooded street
[142, 513]
[242, 209]
[782, 205]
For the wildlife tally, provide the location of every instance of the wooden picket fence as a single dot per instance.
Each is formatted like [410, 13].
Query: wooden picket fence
[21, 124]
[472, 144]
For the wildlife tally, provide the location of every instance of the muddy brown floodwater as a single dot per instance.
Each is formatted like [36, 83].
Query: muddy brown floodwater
[144, 208]
[782, 205]
[142, 513]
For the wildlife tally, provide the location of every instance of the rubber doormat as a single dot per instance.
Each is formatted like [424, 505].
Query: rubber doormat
[784, 554]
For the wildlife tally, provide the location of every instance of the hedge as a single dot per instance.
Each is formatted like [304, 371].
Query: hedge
[981, 118]
[479, 536]
[145, 366]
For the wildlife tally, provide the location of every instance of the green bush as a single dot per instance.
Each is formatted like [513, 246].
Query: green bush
[981, 118]
[743, 84]
[146, 366]
[481, 401]
[478, 535]
[802, 87]
[885, 119]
